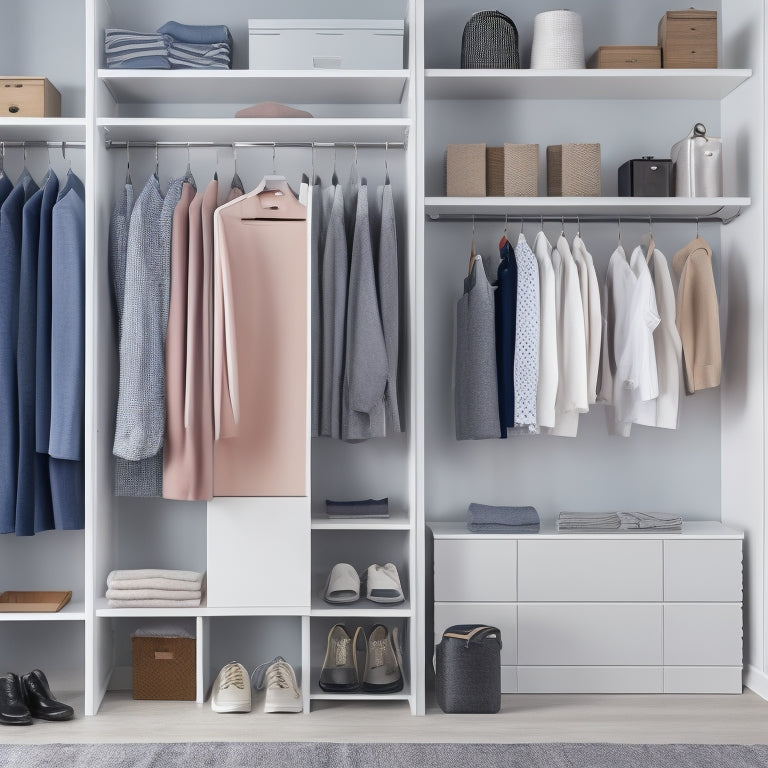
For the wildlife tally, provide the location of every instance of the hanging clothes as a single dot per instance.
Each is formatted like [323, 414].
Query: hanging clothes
[140, 424]
[67, 440]
[11, 228]
[526, 365]
[366, 366]
[546, 385]
[476, 403]
[506, 317]
[592, 314]
[34, 507]
[316, 270]
[698, 317]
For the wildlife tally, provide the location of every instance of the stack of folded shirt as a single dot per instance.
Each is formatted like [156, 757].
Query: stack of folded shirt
[362, 508]
[154, 588]
[483, 518]
[135, 50]
[587, 521]
[192, 46]
[650, 521]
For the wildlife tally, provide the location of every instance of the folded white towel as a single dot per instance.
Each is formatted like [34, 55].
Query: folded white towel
[156, 583]
[153, 573]
[153, 594]
[154, 603]
[588, 521]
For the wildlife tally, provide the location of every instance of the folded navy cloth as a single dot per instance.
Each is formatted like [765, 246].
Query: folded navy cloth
[362, 508]
[125, 49]
[192, 56]
[197, 33]
[487, 518]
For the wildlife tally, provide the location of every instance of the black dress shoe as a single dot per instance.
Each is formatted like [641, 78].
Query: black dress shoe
[39, 699]
[13, 710]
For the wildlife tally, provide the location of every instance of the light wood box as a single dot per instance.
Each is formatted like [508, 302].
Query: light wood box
[573, 170]
[33, 602]
[164, 668]
[688, 39]
[28, 97]
[626, 57]
[512, 170]
[465, 170]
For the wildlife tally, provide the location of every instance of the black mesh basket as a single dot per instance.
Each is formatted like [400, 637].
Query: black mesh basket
[490, 41]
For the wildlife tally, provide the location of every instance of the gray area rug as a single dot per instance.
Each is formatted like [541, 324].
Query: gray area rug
[333, 755]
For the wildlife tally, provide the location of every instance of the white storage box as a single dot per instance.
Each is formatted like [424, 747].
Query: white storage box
[325, 44]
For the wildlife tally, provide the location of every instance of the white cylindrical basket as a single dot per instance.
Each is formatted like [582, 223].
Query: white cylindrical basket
[558, 41]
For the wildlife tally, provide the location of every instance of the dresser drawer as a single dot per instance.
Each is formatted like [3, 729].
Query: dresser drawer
[590, 680]
[480, 570]
[702, 635]
[590, 570]
[702, 680]
[499, 615]
[705, 571]
[611, 634]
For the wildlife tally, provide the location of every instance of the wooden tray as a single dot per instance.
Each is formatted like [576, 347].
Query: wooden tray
[33, 602]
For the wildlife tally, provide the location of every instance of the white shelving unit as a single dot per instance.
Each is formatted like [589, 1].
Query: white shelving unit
[42, 129]
[70, 612]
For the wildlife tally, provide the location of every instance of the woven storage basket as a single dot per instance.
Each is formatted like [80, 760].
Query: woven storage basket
[558, 41]
[164, 668]
[512, 170]
[490, 41]
[465, 170]
[573, 170]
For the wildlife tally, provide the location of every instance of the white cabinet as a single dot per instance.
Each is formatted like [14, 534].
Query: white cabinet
[618, 612]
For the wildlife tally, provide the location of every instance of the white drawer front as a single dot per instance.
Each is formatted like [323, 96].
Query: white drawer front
[626, 571]
[508, 679]
[702, 680]
[706, 571]
[481, 571]
[598, 635]
[702, 635]
[494, 614]
[590, 680]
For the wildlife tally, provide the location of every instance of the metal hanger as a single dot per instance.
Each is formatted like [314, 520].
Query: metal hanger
[334, 177]
[698, 234]
[619, 225]
[128, 163]
[237, 182]
[522, 221]
[562, 224]
[472, 254]
[188, 177]
[578, 226]
[157, 162]
[386, 166]
[506, 219]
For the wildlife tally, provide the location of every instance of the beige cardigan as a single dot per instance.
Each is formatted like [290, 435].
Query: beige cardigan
[698, 317]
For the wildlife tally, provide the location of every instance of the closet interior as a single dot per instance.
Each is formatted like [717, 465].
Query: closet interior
[395, 122]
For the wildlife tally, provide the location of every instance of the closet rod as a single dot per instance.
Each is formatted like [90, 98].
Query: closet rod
[48, 144]
[579, 218]
[110, 144]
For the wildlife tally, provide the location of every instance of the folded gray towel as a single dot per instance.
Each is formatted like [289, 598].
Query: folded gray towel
[588, 521]
[655, 521]
[362, 508]
[491, 528]
[483, 516]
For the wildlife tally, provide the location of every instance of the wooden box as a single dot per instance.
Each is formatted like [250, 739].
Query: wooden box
[626, 57]
[573, 170]
[512, 170]
[28, 97]
[164, 668]
[33, 602]
[465, 170]
[688, 39]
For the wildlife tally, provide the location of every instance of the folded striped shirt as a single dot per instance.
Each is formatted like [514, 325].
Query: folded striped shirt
[198, 56]
[124, 48]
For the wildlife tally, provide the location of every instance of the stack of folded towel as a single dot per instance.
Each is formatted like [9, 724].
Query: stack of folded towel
[173, 46]
[362, 508]
[154, 588]
[588, 521]
[483, 518]
[649, 521]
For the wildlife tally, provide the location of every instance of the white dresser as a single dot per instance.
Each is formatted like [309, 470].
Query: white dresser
[620, 612]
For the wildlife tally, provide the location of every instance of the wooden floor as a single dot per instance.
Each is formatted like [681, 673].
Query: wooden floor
[529, 718]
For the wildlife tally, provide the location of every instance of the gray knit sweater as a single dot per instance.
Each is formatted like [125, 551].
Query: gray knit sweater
[140, 427]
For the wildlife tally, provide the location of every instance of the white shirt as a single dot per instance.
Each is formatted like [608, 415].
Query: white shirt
[526, 363]
[593, 320]
[546, 391]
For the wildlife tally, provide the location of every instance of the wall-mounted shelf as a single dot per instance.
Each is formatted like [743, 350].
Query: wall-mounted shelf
[249, 86]
[397, 521]
[722, 209]
[625, 84]
[70, 612]
[103, 609]
[362, 608]
[230, 130]
[42, 129]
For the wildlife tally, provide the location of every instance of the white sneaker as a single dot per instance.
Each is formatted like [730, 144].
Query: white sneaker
[283, 694]
[231, 691]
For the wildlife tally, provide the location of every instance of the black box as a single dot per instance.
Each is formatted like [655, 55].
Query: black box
[646, 177]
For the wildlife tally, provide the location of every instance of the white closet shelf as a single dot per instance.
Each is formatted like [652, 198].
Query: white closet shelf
[249, 86]
[624, 84]
[721, 208]
[42, 129]
[103, 609]
[316, 694]
[397, 521]
[234, 129]
[70, 612]
[361, 608]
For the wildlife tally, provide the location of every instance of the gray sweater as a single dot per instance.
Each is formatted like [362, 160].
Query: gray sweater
[140, 427]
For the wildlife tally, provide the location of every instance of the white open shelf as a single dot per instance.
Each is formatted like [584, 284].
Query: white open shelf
[458, 84]
[315, 694]
[229, 130]
[70, 612]
[249, 86]
[675, 207]
[42, 129]
[397, 521]
[103, 609]
[361, 608]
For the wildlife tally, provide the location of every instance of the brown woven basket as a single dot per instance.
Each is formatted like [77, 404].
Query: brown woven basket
[164, 668]
[465, 170]
[573, 170]
[512, 170]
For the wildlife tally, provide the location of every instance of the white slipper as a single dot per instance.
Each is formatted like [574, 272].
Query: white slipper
[343, 585]
[383, 584]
